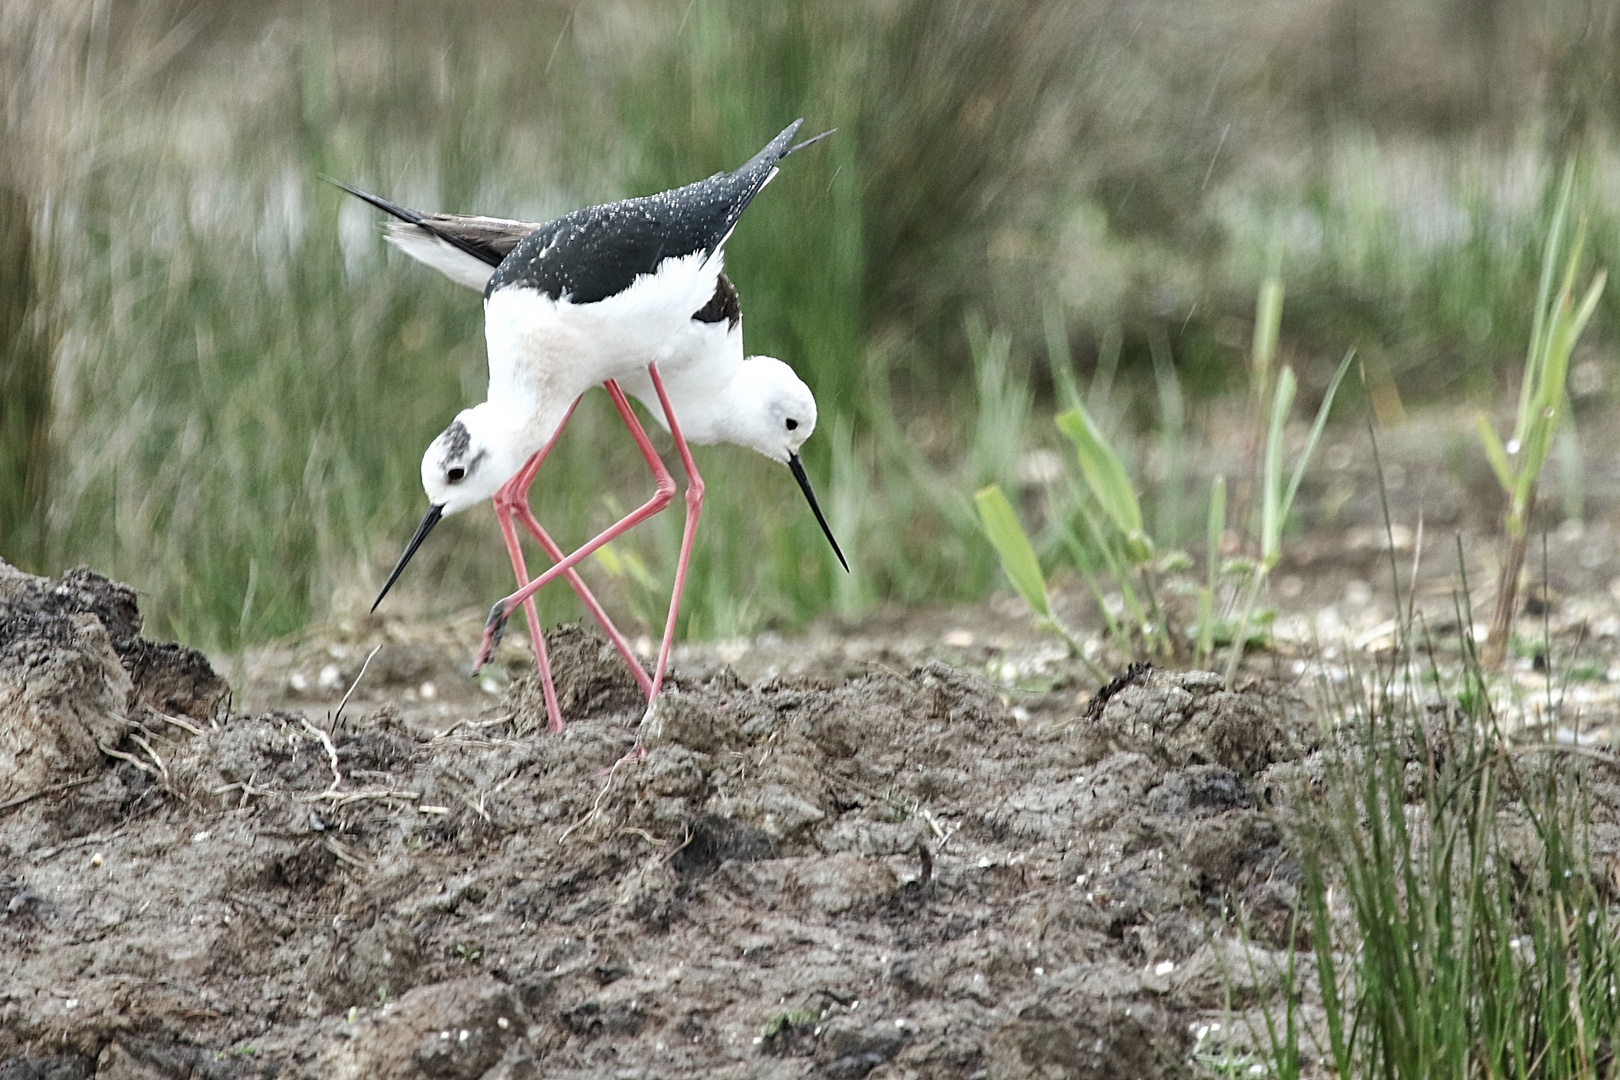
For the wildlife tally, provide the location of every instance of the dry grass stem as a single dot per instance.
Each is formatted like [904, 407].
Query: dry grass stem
[12, 804]
[331, 754]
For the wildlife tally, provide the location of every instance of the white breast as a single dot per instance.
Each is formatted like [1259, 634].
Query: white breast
[699, 382]
[553, 350]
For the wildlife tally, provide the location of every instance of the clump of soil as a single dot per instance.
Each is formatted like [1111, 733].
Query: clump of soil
[895, 874]
[76, 676]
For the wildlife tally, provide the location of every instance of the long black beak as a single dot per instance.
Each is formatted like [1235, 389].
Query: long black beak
[804, 483]
[429, 519]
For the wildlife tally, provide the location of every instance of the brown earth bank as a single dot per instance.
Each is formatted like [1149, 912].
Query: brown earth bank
[894, 873]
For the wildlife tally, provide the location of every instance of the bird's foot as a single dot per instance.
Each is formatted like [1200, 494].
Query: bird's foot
[650, 727]
[494, 628]
[651, 724]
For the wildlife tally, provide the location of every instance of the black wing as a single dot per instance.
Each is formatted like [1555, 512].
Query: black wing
[725, 305]
[494, 237]
[597, 252]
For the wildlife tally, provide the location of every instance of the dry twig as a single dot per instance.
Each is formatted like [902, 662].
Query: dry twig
[153, 754]
[12, 804]
[344, 798]
[346, 854]
[247, 788]
[132, 759]
[339, 714]
[185, 725]
[331, 754]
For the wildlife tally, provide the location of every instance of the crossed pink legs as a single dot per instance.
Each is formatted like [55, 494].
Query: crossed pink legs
[694, 508]
[512, 502]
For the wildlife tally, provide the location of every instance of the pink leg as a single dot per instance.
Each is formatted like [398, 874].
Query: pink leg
[659, 500]
[512, 501]
[503, 514]
[506, 499]
[516, 495]
[643, 681]
[694, 508]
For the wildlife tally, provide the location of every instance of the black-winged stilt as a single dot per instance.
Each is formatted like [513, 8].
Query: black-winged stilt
[629, 291]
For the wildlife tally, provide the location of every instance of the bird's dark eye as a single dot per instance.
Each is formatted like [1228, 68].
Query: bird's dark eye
[456, 475]
[792, 425]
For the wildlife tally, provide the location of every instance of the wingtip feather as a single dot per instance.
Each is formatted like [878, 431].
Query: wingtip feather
[404, 213]
[811, 141]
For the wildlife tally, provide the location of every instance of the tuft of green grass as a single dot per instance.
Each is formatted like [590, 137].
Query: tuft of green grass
[1459, 919]
[1459, 922]
[1278, 489]
[1103, 531]
[1556, 326]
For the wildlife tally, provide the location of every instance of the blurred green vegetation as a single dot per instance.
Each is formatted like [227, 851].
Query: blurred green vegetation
[242, 376]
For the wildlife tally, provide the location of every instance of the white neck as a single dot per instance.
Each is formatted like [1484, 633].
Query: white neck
[739, 412]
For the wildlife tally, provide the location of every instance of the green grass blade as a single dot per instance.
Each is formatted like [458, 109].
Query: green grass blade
[1271, 495]
[1119, 569]
[1086, 564]
[1588, 304]
[1059, 357]
[1013, 546]
[1170, 496]
[1106, 477]
[1267, 326]
[1542, 412]
[1495, 453]
[1216, 526]
[1536, 356]
[1550, 253]
[1215, 530]
[1316, 435]
[1573, 263]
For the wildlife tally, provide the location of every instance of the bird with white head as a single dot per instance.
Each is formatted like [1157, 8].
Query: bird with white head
[630, 292]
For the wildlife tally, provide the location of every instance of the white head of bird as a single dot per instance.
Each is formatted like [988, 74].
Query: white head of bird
[771, 410]
[768, 408]
[472, 458]
[467, 463]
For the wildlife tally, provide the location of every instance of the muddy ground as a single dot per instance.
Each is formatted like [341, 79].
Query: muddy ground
[929, 845]
[895, 874]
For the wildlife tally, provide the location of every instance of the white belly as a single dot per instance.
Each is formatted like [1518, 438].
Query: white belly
[698, 383]
[555, 347]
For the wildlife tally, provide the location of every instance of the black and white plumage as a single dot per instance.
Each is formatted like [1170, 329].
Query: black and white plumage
[599, 294]
[468, 248]
[596, 252]
[601, 251]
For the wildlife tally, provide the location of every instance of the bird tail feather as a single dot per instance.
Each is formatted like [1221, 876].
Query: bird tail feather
[420, 221]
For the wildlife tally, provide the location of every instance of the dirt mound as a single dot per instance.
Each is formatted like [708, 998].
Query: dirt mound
[887, 876]
[76, 676]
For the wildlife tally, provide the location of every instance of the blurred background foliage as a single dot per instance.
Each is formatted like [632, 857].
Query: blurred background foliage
[217, 380]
